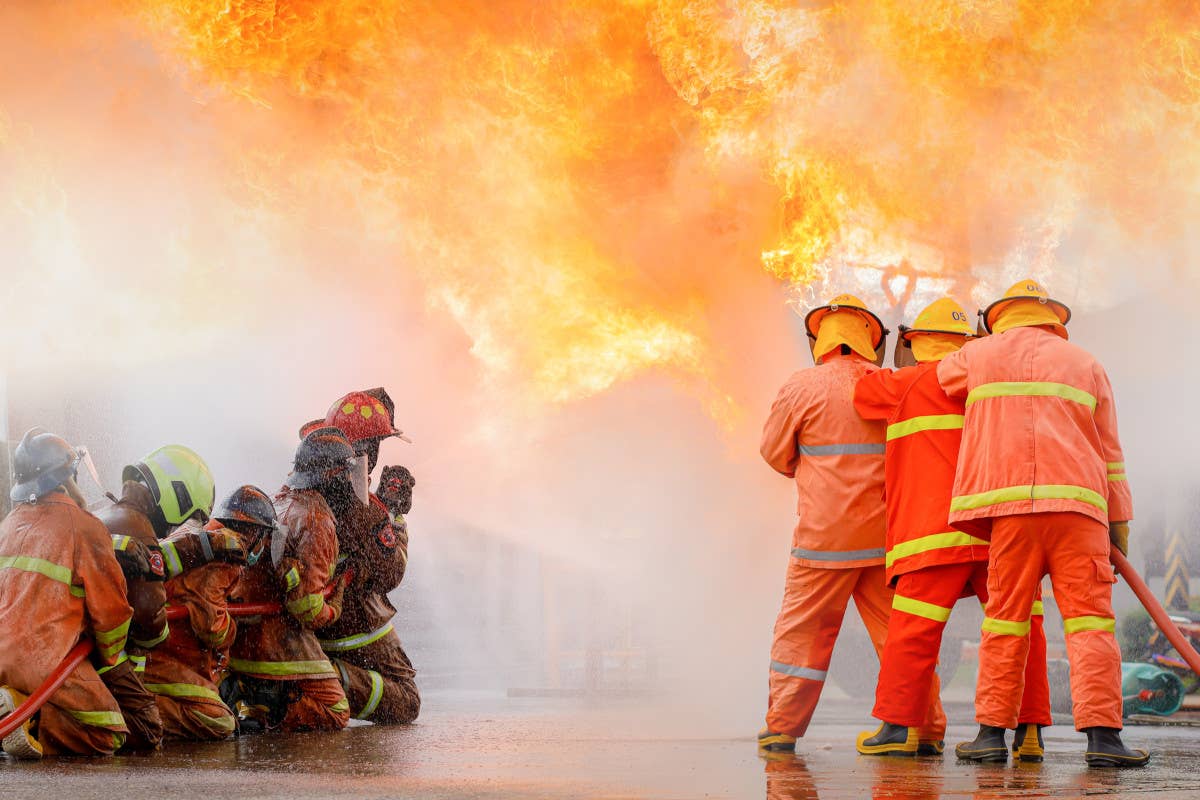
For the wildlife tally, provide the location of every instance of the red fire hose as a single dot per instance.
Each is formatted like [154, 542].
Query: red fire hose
[80, 651]
[36, 700]
[1157, 612]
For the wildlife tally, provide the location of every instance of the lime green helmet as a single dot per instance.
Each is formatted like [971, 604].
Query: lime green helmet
[179, 480]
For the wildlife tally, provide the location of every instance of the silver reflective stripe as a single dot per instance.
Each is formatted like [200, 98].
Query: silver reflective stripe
[837, 555]
[171, 557]
[798, 672]
[205, 545]
[842, 449]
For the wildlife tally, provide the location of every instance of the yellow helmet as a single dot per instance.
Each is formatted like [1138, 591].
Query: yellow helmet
[944, 316]
[848, 302]
[1028, 289]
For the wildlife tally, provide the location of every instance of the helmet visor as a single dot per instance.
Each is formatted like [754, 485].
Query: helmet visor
[359, 477]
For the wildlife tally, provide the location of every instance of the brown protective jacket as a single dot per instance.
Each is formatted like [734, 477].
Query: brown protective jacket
[373, 548]
[141, 559]
[59, 581]
[284, 647]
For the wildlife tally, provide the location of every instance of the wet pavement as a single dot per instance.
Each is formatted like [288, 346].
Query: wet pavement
[488, 746]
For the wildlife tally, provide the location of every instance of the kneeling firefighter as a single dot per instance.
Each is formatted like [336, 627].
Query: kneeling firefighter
[281, 676]
[929, 564]
[377, 674]
[171, 486]
[59, 582]
[185, 670]
[1041, 464]
[815, 436]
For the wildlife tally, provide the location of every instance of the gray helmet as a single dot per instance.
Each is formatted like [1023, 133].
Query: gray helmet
[324, 455]
[41, 463]
[247, 504]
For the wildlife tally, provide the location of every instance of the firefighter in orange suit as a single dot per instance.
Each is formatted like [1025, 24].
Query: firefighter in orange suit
[815, 436]
[1041, 464]
[282, 677]
[929, 564]
[59, 581]
[185, 670]
[363, 645]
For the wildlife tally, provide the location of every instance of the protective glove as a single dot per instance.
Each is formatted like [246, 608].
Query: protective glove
[1118, 534]
[134, 558]
[395, 489]
[334, 601]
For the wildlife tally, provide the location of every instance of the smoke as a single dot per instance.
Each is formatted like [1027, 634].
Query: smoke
[544, 228]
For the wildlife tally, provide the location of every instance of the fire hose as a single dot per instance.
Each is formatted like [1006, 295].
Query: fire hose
[1157, 612]
[80, 651]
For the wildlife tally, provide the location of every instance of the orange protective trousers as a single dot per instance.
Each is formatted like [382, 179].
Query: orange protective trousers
[920, 609]
[1073, 549]
[814, 605]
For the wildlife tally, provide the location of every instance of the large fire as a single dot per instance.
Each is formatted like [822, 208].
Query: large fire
[582, 185]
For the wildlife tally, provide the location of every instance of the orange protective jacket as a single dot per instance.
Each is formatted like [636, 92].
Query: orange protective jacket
[141, 560]
[924, 430]
[202, 642]
[284, 647]
[59, 580]
[1040, 431]
[814, 435]
[374, 548]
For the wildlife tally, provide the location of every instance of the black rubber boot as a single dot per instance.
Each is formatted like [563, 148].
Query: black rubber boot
[1105, 749]
[931, 747]
[1027, 744]
[889, 740]
[988, 747]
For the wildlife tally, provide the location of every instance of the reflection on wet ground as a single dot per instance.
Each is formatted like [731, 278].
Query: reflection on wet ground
[484, 746]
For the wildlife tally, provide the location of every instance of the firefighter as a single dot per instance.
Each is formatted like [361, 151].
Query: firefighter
[282, 677]
[167, 488]
[184, 671]
[59, 582]
[814, 435]
[376, 673]
[928, 564]
[1041, 463]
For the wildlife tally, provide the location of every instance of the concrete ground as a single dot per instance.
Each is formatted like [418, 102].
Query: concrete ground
[488, 746]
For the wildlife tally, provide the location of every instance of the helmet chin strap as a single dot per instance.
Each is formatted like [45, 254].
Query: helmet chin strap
[73, 492]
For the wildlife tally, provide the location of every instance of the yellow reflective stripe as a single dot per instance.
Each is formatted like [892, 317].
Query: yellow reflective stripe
[40, 566]
[1011, 494]
[171, 559]
[1116, 476]
[376, 695]
[281, 667]
[99, 719]
[919, 608]
[340, 706]
[120, 542]
[1006, 627]
[1077, 624]
[157, 640]
[291, 579]
[934, 541]
[139, 663]
[1031, 389]
[307, 608]
[183, 690]
[218, 639]
[110, 636]
[357, 640]
[222, 724]
[930, 422]
[1039, 610]
[1116, 466]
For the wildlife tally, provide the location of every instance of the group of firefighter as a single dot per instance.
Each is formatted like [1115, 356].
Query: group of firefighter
[977, 467]
[206, 618]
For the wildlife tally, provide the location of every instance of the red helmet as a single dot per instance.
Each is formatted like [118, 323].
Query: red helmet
[360, 416]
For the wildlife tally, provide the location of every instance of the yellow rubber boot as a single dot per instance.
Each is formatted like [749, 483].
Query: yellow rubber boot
[1027, 745]
[889, 740]
[21, 743]
[774, 742]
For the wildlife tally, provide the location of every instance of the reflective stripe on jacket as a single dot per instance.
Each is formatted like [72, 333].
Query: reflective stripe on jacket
[1040, 430]
[813, 434]
[924, 429]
